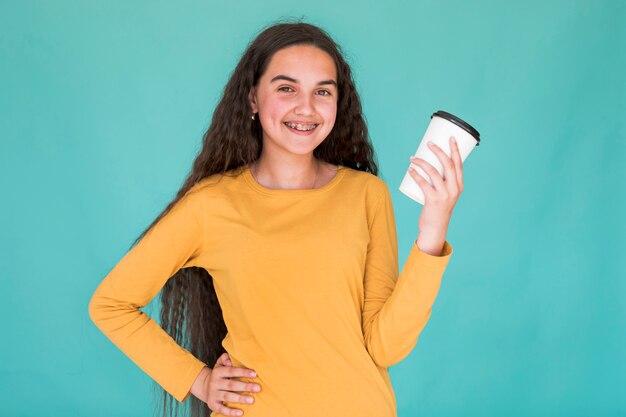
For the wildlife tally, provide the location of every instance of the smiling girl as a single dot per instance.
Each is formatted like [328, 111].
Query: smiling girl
[279, 253]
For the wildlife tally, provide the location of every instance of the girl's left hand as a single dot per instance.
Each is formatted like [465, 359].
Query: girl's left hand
[440, 197]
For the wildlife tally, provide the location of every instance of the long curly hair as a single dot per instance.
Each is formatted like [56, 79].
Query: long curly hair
[190, 311]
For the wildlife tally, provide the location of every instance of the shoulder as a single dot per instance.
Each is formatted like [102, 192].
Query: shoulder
[213, 184]
[367, 180]
[372, 188]
[196, 197]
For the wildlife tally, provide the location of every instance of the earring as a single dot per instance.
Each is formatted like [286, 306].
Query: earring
[253, 116]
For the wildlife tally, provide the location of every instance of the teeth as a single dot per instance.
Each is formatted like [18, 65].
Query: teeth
[300, 126]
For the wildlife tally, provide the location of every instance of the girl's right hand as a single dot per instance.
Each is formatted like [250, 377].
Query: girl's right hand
[221, 388]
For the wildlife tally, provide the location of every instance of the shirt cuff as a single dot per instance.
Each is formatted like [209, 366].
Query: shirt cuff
[183, 392]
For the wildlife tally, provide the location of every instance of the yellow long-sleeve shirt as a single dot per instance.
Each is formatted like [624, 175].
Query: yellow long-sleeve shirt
[308, 284]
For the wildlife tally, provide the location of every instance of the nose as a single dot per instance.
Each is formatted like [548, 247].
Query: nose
[304, 106]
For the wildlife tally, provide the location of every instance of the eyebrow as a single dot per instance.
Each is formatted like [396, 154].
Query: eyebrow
[286, 78]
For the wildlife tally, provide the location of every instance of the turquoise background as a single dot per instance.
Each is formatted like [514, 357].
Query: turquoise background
[102, 108]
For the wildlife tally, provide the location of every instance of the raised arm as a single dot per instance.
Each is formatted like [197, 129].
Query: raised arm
[396, 308]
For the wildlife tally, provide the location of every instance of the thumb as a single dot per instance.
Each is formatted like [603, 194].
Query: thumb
[224, 360]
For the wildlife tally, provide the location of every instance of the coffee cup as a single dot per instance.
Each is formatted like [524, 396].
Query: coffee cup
[442, 126]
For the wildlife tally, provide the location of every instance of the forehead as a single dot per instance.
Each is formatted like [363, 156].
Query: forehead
[304, 62]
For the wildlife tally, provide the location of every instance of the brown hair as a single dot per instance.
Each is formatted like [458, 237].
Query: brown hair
[190, 311]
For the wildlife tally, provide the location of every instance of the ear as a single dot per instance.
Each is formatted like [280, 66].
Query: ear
[252, 100]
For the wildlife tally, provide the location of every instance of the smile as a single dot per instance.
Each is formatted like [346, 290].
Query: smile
[301, 127]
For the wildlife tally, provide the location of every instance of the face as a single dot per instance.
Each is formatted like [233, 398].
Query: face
[296, 99]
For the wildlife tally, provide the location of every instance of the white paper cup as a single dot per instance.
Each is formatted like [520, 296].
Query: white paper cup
[442, 126]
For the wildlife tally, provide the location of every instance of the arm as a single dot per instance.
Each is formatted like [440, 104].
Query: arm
[173, 243]
[396, 308]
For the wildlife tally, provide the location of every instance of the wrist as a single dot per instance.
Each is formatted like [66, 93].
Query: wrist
[199, 389]
[431, 244]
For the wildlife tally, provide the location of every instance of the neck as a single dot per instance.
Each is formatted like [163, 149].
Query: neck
[286, 174]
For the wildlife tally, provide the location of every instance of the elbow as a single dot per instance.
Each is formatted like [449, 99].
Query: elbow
[384, 360]
[111, 314]
[102, 304]
[93, 309]
[99, 309]
[386, 356]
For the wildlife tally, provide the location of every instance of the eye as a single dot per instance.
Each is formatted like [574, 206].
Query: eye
[283, 88]
[325, 91]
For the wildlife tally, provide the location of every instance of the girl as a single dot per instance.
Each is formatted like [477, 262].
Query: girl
[279, 253]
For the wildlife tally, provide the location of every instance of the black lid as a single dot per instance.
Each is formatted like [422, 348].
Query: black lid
[459, 122]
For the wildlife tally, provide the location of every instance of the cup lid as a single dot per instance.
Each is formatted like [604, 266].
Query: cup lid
[459, 122]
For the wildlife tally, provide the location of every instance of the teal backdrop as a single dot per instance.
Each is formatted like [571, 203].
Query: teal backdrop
[102, 109]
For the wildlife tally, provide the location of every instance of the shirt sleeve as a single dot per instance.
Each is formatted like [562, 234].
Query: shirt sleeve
[396, 308]
[174, 242]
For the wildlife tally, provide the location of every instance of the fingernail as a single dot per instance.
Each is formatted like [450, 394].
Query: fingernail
[453, 139]
[253, 374]
[430, 143]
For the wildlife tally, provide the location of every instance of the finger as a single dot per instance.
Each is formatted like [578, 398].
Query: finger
[225, 372]
[431, 171]
[243, 372]
[240, 386]
[231, 397]
[234, 385]
[222, 409]
[426, 188]
[458, 162]
[449, 173]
